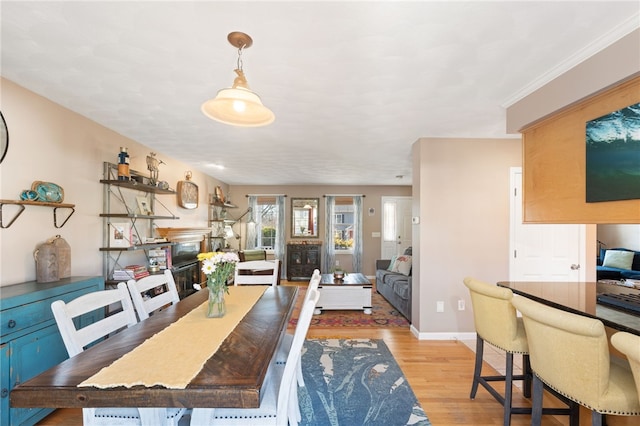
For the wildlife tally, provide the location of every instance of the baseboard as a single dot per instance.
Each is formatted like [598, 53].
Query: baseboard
[442, 335]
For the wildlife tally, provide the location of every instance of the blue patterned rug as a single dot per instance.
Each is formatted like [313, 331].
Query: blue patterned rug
[355, 382]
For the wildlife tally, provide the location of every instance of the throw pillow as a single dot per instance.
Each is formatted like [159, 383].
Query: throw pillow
[618, 259]
[403, 265]
[392, 264]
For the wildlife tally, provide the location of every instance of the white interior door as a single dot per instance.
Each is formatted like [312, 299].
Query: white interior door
[396, 225]
[541, 252]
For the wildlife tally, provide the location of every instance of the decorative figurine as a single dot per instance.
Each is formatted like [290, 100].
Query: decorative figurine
[153, 165]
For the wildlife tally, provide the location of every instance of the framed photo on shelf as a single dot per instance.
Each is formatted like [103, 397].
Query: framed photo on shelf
[120, 234]
[143, 205]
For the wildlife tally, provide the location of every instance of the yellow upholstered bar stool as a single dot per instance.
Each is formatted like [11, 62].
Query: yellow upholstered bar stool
[570, 354]
[496, 323]
[629, 345]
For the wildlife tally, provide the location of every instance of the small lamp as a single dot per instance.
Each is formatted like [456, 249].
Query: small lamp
[238, 105]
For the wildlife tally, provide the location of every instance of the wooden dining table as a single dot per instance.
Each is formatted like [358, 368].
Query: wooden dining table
[232, 377]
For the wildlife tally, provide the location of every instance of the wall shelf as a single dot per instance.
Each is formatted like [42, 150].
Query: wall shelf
[218, 220]
[22, 207]
[137, 216]
[132, 184]
[120, 202]
[148, 246]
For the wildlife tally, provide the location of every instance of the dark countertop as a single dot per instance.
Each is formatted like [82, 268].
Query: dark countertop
[580, 298]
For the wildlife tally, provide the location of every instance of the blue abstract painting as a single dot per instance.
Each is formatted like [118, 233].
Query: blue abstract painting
[613, 156]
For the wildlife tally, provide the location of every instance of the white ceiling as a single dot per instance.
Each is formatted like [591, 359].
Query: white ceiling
[352, 84]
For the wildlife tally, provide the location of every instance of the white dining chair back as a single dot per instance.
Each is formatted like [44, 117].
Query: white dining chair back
[152, 293]
[285, 343]
[259, 279]
[279, 397]
[77, 339]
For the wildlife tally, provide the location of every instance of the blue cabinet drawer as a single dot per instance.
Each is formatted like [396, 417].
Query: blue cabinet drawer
[31, 314]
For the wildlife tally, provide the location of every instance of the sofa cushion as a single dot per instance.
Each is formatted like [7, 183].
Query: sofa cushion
[399, 284]
[392, 264]
[618, 259]
[402, 265]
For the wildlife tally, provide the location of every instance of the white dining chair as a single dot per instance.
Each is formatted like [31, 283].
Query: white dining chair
[259, 279]
[279, 395]
[77, 339]
[152, 293]
[285, 343]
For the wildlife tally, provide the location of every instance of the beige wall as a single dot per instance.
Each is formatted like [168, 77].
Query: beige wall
[463, 206]
[373, 196]
[616, 63]
[626, 236]
[53, 144]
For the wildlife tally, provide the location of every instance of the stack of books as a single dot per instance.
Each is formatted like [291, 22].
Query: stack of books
[130, 272]
[139, 271]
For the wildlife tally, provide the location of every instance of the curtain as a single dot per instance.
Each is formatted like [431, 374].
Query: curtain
[253, 223]
[329, 257]
[357, 233]
[280, 231]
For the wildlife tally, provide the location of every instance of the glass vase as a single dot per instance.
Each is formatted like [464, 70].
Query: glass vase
[217, 306]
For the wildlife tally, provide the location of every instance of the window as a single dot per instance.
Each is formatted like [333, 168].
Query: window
[343, 229]
[266, 219]
[389, 226]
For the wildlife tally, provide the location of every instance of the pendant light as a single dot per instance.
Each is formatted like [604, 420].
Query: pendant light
[238, 105]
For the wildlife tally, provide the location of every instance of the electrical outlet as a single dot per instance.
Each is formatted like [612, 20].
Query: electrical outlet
[461, 305]
[337, 262]
[439, 306]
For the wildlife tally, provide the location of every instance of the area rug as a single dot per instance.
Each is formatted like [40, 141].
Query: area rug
[355, 382]
[382, 315]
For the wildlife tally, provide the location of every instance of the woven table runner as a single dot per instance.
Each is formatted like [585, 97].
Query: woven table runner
[193, 339]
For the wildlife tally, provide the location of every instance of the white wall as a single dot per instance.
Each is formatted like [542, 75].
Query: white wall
[53, 144]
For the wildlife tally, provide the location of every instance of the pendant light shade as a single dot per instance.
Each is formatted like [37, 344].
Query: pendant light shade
[238, 105]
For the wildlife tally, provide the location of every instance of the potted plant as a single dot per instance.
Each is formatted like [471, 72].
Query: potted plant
[338, 273]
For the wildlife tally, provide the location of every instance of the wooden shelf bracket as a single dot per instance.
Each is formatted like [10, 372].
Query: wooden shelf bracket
[21, 207]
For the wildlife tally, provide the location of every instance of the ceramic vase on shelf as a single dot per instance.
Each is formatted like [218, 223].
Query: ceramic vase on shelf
[216, 307]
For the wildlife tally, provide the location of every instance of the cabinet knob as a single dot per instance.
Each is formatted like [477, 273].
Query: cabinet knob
[4, 392]
[12, 323]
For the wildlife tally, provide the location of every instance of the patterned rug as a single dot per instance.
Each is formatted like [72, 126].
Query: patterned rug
[382, 315]
[355, 382]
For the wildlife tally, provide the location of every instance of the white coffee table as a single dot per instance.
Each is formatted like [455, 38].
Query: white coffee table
[353, 292]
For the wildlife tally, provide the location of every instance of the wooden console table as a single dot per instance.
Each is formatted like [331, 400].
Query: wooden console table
[302, 260]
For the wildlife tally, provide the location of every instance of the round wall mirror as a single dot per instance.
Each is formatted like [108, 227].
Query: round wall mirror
[4, 138]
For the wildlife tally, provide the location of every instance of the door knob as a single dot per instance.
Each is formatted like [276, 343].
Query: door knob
[575, 266]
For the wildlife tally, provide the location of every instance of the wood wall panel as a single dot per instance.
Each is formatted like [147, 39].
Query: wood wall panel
[554, 153]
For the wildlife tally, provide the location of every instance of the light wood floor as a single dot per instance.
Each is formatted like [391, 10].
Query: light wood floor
[439, 373]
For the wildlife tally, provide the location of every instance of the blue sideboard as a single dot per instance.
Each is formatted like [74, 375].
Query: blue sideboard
[29, 339]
